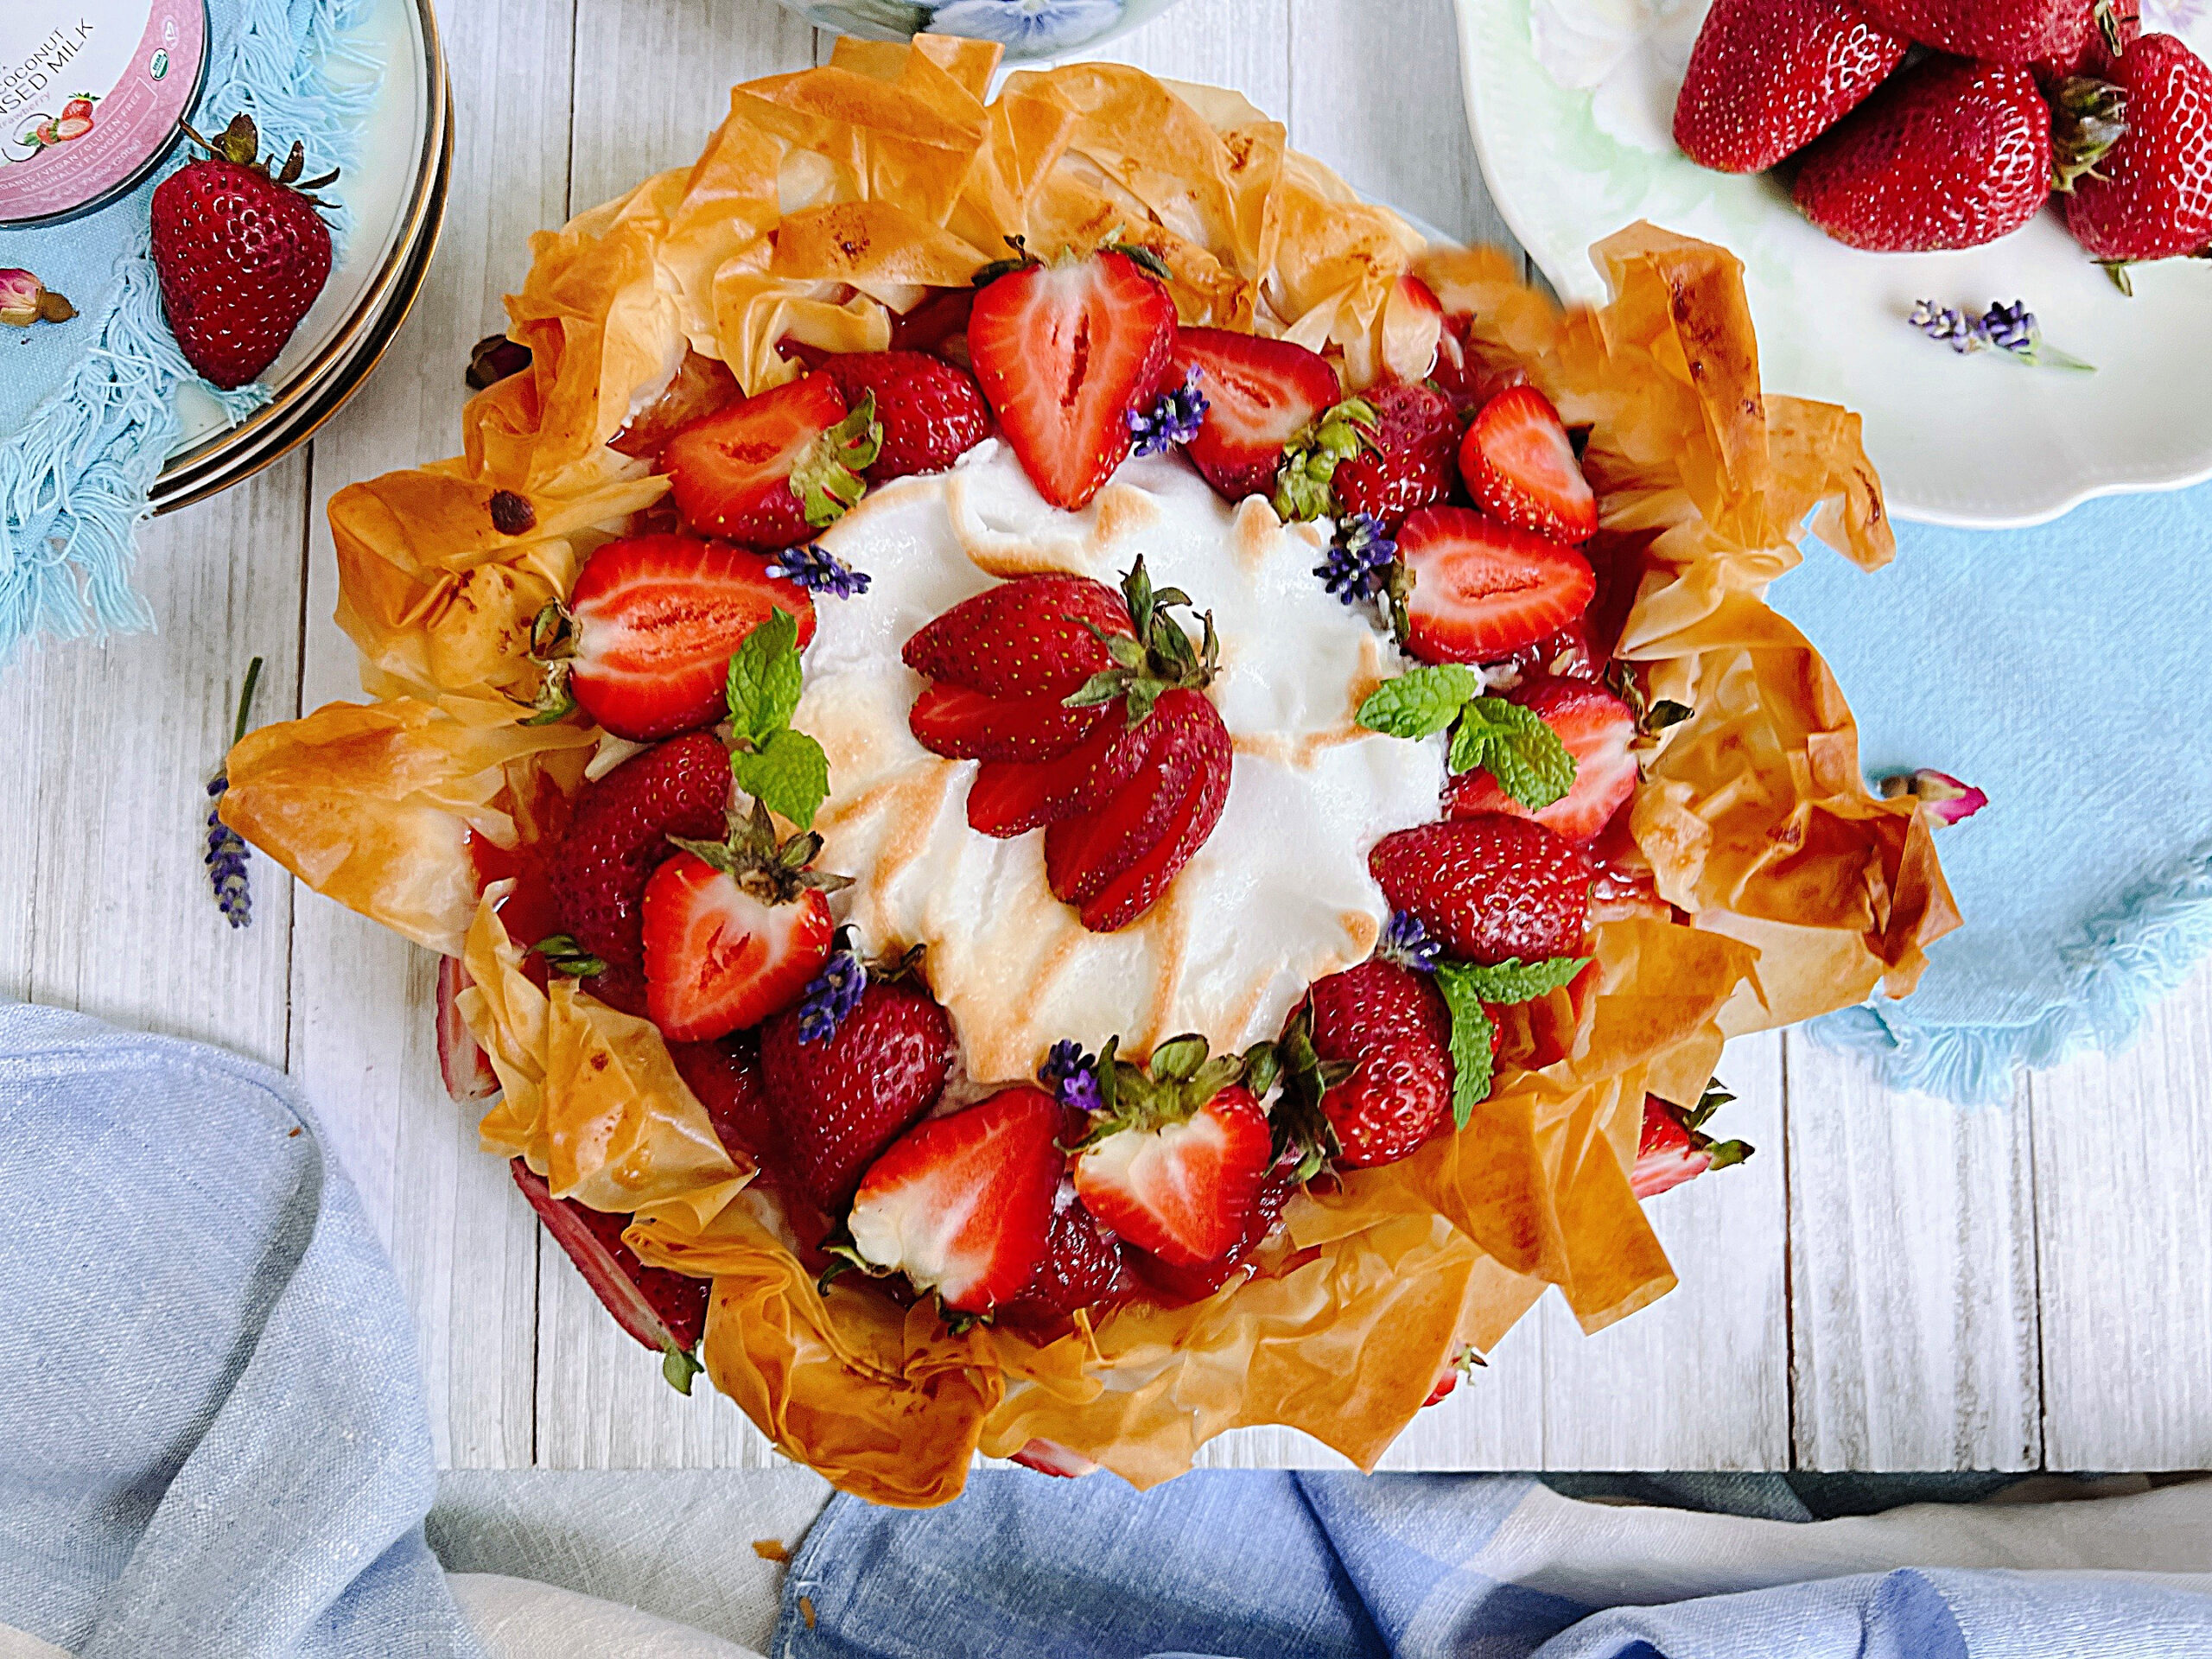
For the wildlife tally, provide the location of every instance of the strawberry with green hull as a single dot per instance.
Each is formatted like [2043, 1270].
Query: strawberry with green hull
[961, 1205]
[1064, 351]
[1008, 798]
[2151, 195]
[1035, 636]
[1484, 590]
[1384, 1035]
[2099, 34]
[1409, 459]
[964, 725]
[1494, 889]
[770, 469]
[931, 411]
[666, 1312]
[1521, 468]
[1673, 1147]
[1596, 730]
[1767, 77]
[1260, 394]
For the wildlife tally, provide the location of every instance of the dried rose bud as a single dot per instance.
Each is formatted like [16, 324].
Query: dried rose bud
[492, 359]
[511, 514]
[24, 300]
[1944, 795]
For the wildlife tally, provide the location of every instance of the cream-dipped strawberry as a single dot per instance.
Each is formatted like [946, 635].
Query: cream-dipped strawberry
[772, 468]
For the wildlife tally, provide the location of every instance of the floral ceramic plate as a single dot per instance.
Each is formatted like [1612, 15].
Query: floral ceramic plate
[1572, 102]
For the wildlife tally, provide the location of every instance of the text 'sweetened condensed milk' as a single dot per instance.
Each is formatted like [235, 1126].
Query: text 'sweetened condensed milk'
[92, 97]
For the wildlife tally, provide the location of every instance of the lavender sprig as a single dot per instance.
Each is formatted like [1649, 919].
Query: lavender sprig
[1406, 942]
[226, 856]
[831, 995]
[1174, 419]
[1358, 565]
[1072, 1076]
[819, 571]
[2011, 329]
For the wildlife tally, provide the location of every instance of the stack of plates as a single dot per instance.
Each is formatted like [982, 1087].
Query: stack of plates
[397, 194]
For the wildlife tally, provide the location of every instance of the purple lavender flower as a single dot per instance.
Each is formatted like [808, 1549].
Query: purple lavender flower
[1358, 565]
[2011, 329]
[1406, 942]
[818, 570]
[1072, 1076]
[1174, 419]
[225, 855]
[831, 996]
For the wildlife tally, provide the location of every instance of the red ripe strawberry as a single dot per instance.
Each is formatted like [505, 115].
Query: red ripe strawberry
[1465, 381]
[841, 1098]
[2151, 197]
[1178, 1156]
[770, 470]
[666, 1312]
[1416, 443]
[1064, 353]
[1174, 1284]
[2086, 49]
[1494, 889]
[1482, 590]
[1113, 862]
[727, 1079]
[961, 1205]
[1767, 77]
[939, 324]
[1596, 728]
[1948, 155]
[1997, 31]
[1260, 393]
[656, 622]
[241, 255]
[931, 411]
[963, 725]
[619, 835]
[734, 930]
[1011, 798]
[1675, 1149]
[700, 386]
[1081, 1267]
[1520, 469]
[1024, 638]
[1391, 1025]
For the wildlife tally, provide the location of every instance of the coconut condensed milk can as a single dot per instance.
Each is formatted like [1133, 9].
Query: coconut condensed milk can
[93, 94]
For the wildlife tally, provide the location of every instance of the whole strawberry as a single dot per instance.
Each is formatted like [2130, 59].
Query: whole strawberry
[1767, 77]
[1494, 889]
[1997, 31]
[1948, 155]
[241, 252]
[2092, 41]
[2151, 197]
[1389, 1024]
[932, 412]
[850, 1069]
[1412, 460]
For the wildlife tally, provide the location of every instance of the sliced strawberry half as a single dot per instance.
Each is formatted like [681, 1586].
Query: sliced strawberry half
[961, 1205]
[1174, 1284]
[1521, 468]
[963, 725]
[1481, 590]
[1024, 638]
[1009, 797]
[1596, 728]
[666, 1312]
[1673, 1147]
[655, 620]
[1064, 353]
[772, 468]
[1261, 393]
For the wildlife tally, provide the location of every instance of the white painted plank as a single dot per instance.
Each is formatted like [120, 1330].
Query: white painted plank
[1701, 1379]
[464, 1242]
[1239, 44]
[1912, 1260]
[105, 904]
[2123, 1146]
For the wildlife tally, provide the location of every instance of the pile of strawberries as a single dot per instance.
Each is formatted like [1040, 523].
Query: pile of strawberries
[1920, 125]
[1461, 517]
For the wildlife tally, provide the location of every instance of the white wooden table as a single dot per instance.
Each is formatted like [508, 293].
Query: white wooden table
[1892, 1283]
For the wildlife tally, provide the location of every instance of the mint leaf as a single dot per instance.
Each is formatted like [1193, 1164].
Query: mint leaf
[1513, 981]
[788, 773]
[764, 680]
[1422, 702]
[1471, 1035]
[1515, 746]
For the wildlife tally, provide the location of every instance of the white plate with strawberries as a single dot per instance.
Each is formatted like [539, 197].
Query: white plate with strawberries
[1974, 416]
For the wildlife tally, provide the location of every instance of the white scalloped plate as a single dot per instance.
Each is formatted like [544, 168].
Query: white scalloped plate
[1571, 102]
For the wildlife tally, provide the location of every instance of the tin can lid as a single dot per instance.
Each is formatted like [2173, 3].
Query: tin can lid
[91, 96]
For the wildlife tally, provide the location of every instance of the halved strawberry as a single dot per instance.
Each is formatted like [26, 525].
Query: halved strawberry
[1064, 351]
[1261, 393]
[666, 1312]
[1024, 638]
[769, 470]
[1411, 464]
[1481, 590]
[1178, 1156]
[960, 1203]
[1521, 468]
[931, 411]
[1493, 888]
[963, 725]
[1011, 798]
[655, 621]
[1673, 1147]
[700, 386]
[1174, 1283]
[1596, 728]
[734, 931]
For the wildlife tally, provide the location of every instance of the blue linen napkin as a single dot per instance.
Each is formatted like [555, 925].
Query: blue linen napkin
[88, 416]
[2068, 672]
[215, 1438]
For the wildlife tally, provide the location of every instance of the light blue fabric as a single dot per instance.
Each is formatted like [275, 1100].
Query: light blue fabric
[2066, 670]
[1249, 1566]
[86, 407]
[215, 1441]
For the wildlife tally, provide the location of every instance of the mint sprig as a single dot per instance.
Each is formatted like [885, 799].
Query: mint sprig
[1422, 702]
[1511, 743]
[1466, 987]
[784, 770]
